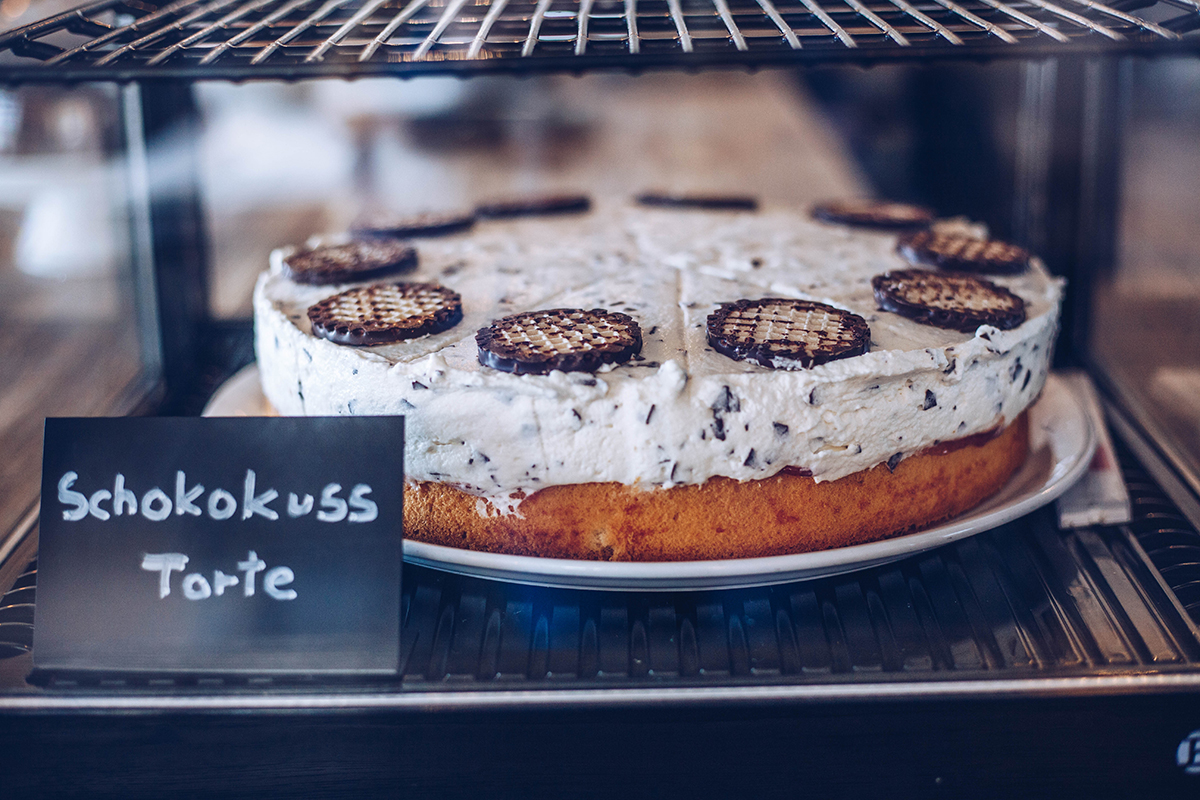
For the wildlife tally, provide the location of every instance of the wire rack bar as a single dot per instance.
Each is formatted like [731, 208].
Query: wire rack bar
[312, 19]
[685, 36]
[581, 29]
[535, 27]
[735, 33]
[485, 27]
[823, 16]
[86, 26]
[925, 19]
[773, 14]
[893, 34]
[406, 13]
[153, 36]
[223, 22]
[444, 21]
[1025, 19]
[254, 29]
[631, 26]
[367, 10]
[1091, 5]
[55, 23]
[1084, 22]
[994, 30]
[133, 27]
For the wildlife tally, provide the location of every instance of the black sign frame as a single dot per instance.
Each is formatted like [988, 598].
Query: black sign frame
[290, 532]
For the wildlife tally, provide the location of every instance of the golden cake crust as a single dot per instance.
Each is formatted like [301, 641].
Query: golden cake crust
[724, 518]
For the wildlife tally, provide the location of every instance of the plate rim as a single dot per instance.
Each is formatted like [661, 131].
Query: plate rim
[1058, 401]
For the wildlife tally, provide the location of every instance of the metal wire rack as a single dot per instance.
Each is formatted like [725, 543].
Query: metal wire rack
[240, 39]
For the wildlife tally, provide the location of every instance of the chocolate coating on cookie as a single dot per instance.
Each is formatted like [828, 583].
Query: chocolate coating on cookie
[704, 202]
[535, 206]
[566, 339]
[784, 333]
[952, 300]
[357, 260]
[385, 313]
[956, 251]
[404, 226]
[881, 214]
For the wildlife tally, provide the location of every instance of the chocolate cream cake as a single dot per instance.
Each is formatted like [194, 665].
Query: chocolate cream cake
[658, 382]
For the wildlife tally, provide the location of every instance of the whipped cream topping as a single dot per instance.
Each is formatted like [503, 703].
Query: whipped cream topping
[680, 413]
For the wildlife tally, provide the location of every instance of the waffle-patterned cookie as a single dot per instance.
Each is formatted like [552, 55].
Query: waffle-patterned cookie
[404, 226]
[385, 313]
[783, 333]
[357, 260]
[707, 202]
[956, 251]
[874, 214]
[566, 339]
[535, 206]
[953, 300]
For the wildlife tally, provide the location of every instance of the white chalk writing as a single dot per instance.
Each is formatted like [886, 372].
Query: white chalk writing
[195, 586]
[156, 505]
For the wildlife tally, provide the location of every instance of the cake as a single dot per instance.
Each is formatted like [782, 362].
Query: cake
[680, 452]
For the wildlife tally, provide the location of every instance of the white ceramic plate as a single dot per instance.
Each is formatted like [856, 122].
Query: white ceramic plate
[1062, 439]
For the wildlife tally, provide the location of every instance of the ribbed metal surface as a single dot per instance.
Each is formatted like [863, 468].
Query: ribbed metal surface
[126, 39]
[1025, 601]
[1022, 601]
[16, 614]
[1169, 541]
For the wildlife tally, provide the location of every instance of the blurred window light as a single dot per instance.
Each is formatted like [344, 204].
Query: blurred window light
[11, 9]
[10, 119]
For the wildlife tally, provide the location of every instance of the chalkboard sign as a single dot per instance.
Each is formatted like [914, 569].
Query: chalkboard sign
[242, 545]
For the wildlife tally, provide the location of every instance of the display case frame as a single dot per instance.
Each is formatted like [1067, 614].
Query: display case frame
[1027, 657]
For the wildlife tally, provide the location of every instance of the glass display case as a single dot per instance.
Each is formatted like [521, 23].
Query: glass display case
[152, 156]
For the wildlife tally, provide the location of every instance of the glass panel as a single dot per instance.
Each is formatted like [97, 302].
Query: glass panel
[68, 336]
[1147, 314]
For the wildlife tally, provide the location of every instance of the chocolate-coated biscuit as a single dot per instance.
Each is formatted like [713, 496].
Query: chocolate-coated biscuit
[385, 313]
[881, 214]
[534, 206]
[956, 251]
[408, 225]
[707, 202]
[357, 260]
[566, 339]
[953, 300]
[784, 333]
